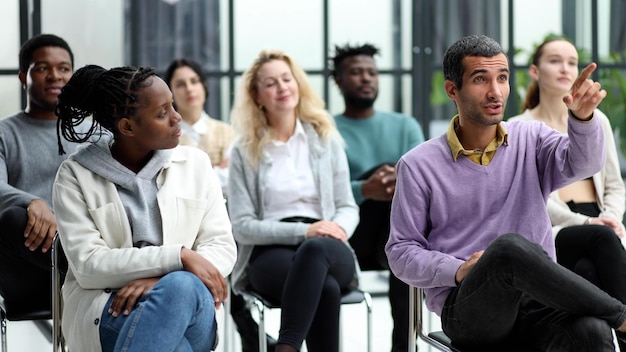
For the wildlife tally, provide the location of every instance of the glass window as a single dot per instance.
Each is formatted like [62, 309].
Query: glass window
[360, 21]
[294, 27]
[94, 29]
[9, 35]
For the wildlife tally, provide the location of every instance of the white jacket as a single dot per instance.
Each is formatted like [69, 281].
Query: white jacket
[97, 239]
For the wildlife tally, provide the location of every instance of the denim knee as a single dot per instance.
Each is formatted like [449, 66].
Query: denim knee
[185, 289]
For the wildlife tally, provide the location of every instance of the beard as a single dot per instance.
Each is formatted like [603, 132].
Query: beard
[360, 102]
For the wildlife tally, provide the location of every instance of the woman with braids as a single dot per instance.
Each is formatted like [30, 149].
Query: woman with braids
[143, 222]
[291, 203]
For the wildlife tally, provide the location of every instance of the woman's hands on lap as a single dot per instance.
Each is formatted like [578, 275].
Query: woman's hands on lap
[326, 228]
[207, 272]
[126, 298]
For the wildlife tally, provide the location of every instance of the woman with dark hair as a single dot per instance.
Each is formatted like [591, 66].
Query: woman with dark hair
[188, 83]
[142, 221]
[586, 215]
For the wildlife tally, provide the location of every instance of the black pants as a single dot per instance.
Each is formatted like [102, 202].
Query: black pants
[368, 242]
[516, 294]
[595, 253]
[25, 276]
[307, 280]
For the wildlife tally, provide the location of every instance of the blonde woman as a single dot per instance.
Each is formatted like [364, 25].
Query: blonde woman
[291, 203]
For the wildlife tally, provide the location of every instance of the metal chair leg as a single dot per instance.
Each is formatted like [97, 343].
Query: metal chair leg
[58, 344]
[4, 333]
[368, 307]
[262, 337]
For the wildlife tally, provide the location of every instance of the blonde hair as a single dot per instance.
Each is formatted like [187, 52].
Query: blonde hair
[250, 121]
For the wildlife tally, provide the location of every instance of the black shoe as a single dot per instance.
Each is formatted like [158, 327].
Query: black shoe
[249, 332]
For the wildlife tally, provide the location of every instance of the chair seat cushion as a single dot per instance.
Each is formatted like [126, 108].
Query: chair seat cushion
[16, 311]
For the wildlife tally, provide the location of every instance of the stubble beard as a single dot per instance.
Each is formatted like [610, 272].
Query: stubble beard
[360, 102]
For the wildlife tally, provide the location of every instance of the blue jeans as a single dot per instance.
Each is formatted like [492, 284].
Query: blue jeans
[516, 295]
[177, 314]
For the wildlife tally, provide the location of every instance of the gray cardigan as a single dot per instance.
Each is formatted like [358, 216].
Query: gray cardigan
[247, 195]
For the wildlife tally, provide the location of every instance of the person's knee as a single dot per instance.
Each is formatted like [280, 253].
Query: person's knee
[184, 286]
[514, 247]
[313, 247]
[605, 236]
[589, 334]
[13, 220]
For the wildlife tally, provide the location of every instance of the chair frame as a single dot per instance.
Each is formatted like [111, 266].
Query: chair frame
[52, 333]
[436, 339]
[352, 297]
[58, 343]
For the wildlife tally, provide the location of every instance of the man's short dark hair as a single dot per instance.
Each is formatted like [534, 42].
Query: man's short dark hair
[471, 45]
[39, 41]
[346, 51]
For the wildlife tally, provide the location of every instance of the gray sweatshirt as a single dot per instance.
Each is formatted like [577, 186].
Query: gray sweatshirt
[137, 191]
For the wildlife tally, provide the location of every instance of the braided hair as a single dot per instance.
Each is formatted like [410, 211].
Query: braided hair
[106, 95]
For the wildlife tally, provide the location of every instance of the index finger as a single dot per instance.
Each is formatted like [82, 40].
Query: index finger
[584, 75]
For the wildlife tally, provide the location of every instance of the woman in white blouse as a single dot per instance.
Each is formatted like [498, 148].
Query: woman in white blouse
[291, 203]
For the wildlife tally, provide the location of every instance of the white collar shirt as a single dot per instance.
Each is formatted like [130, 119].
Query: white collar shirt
[290, 187]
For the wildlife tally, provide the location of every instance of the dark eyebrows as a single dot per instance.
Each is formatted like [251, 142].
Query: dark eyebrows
[482, 70]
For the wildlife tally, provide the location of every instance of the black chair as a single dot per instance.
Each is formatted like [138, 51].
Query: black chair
[22, 311]
[351, 297]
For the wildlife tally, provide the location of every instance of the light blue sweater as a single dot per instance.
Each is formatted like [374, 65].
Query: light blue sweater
[444, 211]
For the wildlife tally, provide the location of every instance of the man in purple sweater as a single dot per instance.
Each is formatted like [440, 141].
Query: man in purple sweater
[469, 221]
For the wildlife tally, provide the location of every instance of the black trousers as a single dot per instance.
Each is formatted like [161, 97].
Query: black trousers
[25, 276]
[595, 253]
[368, 241]
[307, 280]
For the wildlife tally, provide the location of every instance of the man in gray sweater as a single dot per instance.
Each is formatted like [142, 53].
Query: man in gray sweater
[29, 160]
